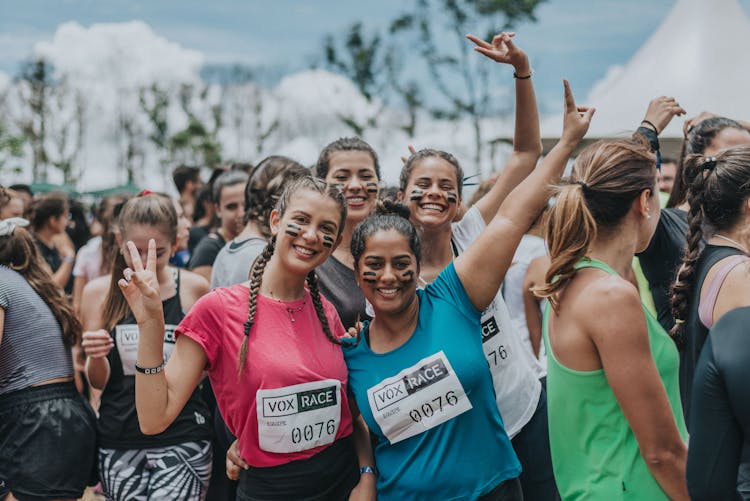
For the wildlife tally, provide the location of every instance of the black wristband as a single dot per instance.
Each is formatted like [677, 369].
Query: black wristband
[149, 370]
[652, 125]
[517, 77]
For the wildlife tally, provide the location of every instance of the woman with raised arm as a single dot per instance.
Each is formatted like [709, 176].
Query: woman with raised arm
[271, 348]
[47, 430]
[431, 183]
[419, 372]
[615, 421]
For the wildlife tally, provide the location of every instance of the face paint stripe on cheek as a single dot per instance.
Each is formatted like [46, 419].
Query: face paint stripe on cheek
[416, 195]
[369, 274]
[371, 187]
[327, 242]
[291, 230]
[408, 276]
[452, 197]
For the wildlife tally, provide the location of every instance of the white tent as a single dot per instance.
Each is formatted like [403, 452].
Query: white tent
[699, 55]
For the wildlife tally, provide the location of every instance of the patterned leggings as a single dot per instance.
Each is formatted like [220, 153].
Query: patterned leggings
[179, 472]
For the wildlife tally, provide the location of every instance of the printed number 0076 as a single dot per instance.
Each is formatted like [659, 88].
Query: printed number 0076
[428, 409]
[312, 431]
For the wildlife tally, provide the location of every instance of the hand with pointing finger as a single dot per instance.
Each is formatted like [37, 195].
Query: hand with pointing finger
[577, 118]
[140, 285]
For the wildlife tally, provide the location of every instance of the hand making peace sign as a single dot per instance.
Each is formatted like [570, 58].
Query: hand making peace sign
[140, 285]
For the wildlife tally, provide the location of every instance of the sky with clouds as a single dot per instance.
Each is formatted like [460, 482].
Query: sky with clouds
[577, 39]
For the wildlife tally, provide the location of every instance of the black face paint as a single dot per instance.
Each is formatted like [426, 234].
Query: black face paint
[327, 241]
[452, 197]
[291, 230]
[416, 195]
[371, 187]
[408, 276]
[369, 274]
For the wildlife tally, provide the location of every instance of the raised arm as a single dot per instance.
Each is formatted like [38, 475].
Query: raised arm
[527, 146]
[159, 397]
[622, 342]
[482, 267]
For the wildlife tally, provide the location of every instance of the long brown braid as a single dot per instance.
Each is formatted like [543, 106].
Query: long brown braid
[256, 278]
[312, 284]
[256, 272]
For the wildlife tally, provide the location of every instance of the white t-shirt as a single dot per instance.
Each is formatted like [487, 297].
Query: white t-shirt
[517, 387]
[529, 249]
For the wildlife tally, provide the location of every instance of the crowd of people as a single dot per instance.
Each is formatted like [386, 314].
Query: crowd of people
[283, 332]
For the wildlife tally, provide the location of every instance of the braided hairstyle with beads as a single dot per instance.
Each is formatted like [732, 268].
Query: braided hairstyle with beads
[259, 266]
[717, 194]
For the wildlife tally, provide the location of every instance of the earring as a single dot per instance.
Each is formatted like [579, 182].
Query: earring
[648, 215]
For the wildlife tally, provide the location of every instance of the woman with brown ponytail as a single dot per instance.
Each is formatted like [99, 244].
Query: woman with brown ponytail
[615, 420]
[271, 348]
[47, 430]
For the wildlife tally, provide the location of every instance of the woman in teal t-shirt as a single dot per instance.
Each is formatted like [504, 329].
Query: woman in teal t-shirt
[615, 418]
[419, 373]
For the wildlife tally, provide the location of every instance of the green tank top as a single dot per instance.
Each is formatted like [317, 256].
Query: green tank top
[595, 455]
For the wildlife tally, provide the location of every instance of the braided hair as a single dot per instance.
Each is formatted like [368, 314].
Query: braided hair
[259, 265]
[717, 192]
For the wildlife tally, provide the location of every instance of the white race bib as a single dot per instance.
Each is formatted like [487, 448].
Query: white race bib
[126, 337]
[300, 417]
[418, 398]
[495, 343]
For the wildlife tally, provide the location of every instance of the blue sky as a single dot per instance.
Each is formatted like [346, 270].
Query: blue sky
[576, 39]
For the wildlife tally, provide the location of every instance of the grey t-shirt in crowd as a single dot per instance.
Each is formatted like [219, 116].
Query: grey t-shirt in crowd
[233, 262]
[32, 349]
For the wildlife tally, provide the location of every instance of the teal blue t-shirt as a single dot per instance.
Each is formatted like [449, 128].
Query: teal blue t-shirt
[431, 404]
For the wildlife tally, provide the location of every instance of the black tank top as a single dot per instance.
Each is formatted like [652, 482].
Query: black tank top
[695, 331]
[118, 422]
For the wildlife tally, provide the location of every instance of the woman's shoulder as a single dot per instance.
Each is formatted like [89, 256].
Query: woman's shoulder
[599, 299]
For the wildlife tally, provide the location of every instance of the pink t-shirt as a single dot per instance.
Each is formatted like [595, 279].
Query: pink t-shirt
[294, 382]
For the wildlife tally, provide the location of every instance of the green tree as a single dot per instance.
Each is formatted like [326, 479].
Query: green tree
[35, 82]
[197, 143]
[362, 59]
[437, 30]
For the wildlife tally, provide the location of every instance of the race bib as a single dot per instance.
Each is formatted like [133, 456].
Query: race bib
[418, 398]
[494, 343]
[300, 417]
[126, 337]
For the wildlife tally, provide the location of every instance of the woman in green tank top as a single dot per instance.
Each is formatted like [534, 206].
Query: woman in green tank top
[615, 418]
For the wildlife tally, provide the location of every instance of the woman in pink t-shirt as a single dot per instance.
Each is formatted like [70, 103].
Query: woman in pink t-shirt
[271, 348]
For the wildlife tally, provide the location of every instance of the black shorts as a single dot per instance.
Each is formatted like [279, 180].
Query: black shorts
[47, 442]
[329, 475]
